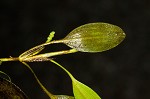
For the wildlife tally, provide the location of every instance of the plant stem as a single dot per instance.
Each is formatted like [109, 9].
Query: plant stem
[9, 59]
[46, 55]
[44, 89]
[72, 78]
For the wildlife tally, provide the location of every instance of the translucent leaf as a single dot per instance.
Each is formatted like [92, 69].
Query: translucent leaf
[31, 52]
[94, 37]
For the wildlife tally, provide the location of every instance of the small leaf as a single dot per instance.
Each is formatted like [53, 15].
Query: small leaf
[94, 37]
[31, 52]
[50, 37]
[82, 91]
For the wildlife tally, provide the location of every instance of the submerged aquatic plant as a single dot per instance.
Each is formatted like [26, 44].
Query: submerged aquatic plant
[92, 37]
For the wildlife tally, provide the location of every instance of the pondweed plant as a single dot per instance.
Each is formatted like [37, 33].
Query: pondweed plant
[92, 37]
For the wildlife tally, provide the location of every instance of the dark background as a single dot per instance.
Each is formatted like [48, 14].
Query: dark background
[120, 73]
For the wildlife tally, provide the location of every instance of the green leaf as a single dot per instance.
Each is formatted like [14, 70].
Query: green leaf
[50, 37]
[80, 90]
[95, 37]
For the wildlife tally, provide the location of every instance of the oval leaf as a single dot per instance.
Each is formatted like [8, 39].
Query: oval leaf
[94, 37]
[82, 91]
